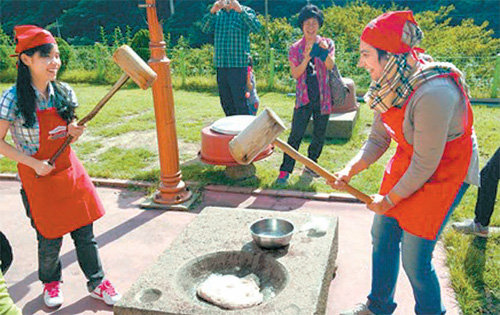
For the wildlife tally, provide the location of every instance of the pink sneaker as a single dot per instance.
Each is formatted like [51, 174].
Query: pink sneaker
[106, 292]
[52, 294]
[282, 178]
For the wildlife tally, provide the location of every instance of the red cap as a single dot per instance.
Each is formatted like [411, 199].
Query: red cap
[30, 36]
[387, 32]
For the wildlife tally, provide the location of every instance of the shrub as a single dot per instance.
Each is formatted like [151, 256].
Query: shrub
[140, 44]
[107, 70]
[66, 53]
[7, 64]
[470, 47]
[85, 58]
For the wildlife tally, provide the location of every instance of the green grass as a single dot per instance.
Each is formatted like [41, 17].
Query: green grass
[117, 162]
[120, 142]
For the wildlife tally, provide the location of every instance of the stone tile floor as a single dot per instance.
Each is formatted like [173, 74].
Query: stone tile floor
[130, 240]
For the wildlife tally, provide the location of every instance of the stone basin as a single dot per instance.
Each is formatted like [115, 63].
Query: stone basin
[272, 274]
[218, 240]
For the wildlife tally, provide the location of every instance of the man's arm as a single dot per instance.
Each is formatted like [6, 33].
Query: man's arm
[208, 21]
[248, 16]
[378, 141]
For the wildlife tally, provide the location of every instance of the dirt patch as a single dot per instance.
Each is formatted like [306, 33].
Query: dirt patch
[142, 139]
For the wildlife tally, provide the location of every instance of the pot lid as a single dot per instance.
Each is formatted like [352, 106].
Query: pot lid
[232, 125]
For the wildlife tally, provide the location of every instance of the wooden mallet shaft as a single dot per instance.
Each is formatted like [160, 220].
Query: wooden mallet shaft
[285, 147]
[135, 68]
[264, 130]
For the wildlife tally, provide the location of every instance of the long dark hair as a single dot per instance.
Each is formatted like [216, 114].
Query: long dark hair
[26, 97]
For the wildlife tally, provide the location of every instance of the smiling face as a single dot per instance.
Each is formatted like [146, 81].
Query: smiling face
[310, 28]
[369, 60]
[43, 66]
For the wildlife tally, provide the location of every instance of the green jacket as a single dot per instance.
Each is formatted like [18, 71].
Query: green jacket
[7, 306]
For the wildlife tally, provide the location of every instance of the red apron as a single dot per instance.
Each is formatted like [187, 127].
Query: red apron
[423, 213]
[66, 199]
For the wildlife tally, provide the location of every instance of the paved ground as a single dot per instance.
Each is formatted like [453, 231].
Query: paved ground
[131, 239]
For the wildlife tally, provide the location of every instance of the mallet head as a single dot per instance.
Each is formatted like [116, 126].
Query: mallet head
[261, 132]
[133, 65]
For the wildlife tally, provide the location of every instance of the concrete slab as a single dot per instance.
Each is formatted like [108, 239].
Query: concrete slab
[308, 263]
[131, 240]
[148, 203]
[352, 281]
[340, 125]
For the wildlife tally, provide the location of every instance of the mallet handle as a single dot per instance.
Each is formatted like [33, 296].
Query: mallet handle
[319, 170]
[92, 114]
[123, 79]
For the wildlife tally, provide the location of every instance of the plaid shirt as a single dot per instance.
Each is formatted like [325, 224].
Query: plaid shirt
[232, 40]
[296, 56]
[27, 140]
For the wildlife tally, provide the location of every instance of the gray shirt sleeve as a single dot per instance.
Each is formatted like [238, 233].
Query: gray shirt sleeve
[378, 141]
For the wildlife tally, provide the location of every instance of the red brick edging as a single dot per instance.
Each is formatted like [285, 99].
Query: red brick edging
[125, 183]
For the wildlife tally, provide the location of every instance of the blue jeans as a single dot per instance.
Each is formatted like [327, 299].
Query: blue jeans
[416, 255]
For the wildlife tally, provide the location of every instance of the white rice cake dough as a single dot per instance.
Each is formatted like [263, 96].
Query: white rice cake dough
[231, 292]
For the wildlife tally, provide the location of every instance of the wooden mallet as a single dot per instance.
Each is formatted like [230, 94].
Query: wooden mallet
[135, 68]
[265, 129]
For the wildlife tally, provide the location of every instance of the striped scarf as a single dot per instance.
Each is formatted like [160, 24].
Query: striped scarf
[399, 79]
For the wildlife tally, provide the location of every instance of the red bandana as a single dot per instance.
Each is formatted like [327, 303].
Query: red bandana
[30, 36]
[392, 32]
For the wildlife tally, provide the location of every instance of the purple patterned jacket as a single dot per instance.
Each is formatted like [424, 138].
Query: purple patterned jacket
[295, 55]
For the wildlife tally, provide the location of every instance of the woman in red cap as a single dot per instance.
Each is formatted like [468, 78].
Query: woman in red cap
[424, 107]
[59, 199]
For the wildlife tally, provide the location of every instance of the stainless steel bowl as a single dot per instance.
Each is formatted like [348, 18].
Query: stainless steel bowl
[272, 232]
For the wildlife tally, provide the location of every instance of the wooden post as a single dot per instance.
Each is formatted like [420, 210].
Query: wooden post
[172, 189]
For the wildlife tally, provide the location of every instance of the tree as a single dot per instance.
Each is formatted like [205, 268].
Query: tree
[140, 44]
[6, 49]
[66, 53]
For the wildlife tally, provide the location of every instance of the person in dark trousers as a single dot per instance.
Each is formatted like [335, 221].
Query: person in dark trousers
[485, 202]
[310, 59]
[231, 23]
[5, 253]
[59, 199]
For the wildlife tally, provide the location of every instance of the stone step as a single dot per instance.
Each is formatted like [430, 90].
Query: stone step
[340, 125]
